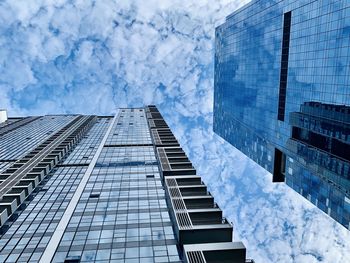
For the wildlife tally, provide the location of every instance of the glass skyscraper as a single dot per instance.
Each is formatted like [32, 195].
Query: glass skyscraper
[282, 94]
[77, 188]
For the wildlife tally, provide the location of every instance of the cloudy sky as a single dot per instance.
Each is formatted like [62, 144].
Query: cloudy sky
[84, 56]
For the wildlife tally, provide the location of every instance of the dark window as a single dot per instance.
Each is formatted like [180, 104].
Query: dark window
[94, 195]
[284, 66]
[324, 143]
[279, 169]
[72, 259]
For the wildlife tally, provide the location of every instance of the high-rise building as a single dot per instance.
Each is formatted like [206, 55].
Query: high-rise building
[77, 188]
[282, 95]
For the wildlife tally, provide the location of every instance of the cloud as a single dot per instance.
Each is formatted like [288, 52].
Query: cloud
[92, 57]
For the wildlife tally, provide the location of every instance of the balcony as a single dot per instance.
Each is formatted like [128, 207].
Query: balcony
[197, 218]
[174, 161]
[163, 137]
[193, 190]
[227, 252]
[198, 202]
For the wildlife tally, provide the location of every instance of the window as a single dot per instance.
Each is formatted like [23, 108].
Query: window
[279, 169]
[284, 66]
[94, 195]
[72, 259]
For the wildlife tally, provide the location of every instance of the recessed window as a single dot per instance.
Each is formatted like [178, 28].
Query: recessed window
[284, 66]
[279, 170]
[150, 176]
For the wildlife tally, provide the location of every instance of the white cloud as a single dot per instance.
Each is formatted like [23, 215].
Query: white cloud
[17, 74]
[54, 47]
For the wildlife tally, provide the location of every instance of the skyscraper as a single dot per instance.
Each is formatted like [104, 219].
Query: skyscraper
[282, 95]
[79, 188]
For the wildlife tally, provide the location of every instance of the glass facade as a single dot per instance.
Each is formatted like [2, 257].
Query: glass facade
[282, 95]
[92, 189]
[28, 236]
[15, 144]
[121, 215]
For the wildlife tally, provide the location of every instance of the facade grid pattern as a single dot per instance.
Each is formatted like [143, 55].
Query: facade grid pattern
[16, 143]
[122, 215]
[29, 234]
[247, 80]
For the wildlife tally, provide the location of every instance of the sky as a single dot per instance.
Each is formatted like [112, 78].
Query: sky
[92, 57]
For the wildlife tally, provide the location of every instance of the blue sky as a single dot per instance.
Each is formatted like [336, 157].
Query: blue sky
[84, 56]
